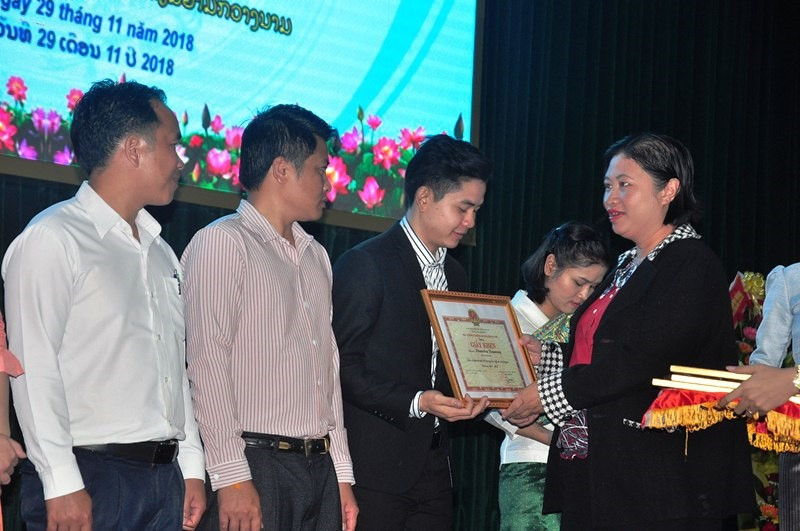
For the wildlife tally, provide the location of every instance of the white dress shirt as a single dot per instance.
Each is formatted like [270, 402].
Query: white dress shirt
[96, 319]
[432, 267]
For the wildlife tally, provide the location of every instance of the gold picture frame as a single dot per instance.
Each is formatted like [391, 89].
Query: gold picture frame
[478, 339]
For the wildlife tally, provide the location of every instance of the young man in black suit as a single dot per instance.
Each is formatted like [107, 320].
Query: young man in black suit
[397, 401]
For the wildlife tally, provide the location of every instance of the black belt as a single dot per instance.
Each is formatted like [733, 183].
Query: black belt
[437, 439]
[155, 452]
[289, 444]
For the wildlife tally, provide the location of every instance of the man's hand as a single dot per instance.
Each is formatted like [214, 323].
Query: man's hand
[194, 503]
[349, 507]
[449, 408]
[239, 507]
[533, 346]
[525, 408]
[71, 512]
[766, 389]
[10, 454]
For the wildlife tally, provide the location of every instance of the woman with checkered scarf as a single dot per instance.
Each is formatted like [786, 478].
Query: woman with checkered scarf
[665, 303]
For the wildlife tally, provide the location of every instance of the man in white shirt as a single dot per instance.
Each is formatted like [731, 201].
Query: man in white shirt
[95, 315]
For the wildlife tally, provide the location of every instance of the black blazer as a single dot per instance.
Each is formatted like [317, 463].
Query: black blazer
[674, 310]
[384, 339]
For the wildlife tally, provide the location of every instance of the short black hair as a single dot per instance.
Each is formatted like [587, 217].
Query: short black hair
[663, 158]
[573, 244]
[106, 114]
[287, 131]
[442, 163]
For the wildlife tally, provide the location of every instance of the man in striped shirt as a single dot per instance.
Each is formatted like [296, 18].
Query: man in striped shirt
[263, 362]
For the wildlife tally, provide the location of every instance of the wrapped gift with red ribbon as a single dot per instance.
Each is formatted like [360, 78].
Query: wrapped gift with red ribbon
[692, 406]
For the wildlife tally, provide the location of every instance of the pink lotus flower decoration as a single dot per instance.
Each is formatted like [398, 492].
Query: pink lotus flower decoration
[749, 332]
[7, 130]
[337, 176]
[351, 141]
[385, 153]
[374, 122]
[218, 161]
[17, 89]
[46, 123]
[216, 124]
[25, 151]
[185, 118]
[122, 78]
[233, 174]
[63, 157]
[73, 97]
[371, 194]
[196, 141]
[233, 137]
[411, 139]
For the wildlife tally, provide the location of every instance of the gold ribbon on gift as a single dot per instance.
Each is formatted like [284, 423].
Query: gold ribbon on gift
[689, 401]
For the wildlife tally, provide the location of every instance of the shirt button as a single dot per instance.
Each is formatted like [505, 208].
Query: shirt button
[158, 336]
[215, 476]
[314, 342]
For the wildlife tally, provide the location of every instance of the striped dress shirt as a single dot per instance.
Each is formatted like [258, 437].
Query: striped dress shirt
[432, 267]
[261, 351]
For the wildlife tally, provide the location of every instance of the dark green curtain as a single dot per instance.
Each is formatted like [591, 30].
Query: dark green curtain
[561, 80]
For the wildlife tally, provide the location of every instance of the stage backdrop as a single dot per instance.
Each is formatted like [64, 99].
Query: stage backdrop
[385, 74]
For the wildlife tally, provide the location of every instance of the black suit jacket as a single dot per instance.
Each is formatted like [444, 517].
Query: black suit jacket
[674, 310]
[384, 339]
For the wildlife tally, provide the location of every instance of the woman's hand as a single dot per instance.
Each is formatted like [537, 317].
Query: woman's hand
[533, 346]
[766, 389]
[525, 408]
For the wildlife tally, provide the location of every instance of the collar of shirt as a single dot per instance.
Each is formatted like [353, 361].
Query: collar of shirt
[256, 222]
[424, 256]
[683, 232]
[530, 316]
[104, 218]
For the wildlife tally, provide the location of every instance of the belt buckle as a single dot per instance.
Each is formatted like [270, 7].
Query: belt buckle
[308, 445]
[165, 452]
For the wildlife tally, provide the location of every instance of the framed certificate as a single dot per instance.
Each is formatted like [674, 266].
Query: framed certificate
[477, 336]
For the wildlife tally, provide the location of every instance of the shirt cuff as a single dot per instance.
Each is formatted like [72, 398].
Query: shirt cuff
[62, 480]
[552, 359]
[190, 459]
[414, 410]
[555, 404]
[227, 474]
[344, 472]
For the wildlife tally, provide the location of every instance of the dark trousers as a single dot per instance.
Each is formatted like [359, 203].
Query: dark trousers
[789, 489]
[126, 495]
[428, 505]
[296, 492]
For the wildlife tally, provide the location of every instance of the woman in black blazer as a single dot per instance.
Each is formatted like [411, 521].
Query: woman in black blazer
[665, 303]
